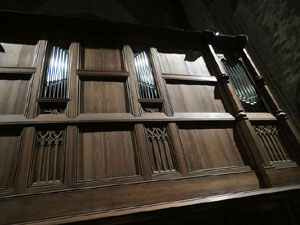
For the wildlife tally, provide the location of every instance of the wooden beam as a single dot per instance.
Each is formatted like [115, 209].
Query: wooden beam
[17, 70]
[114, 118]
[106, 74]
[190, 78]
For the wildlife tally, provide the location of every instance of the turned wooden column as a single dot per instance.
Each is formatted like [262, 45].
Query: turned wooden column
[244, 128]
[290, 137]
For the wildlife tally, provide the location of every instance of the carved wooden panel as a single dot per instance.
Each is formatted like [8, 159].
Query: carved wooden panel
[160, 150]
[13, 95]
[272, 143]
[105, 59]
[194, 98]
[176, 64]
[209, 148]
[106, 153]
[9, 151]
[103, 96]
[17, 55]
[48, 159]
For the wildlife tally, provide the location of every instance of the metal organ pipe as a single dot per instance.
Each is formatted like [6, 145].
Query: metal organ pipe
[144, 75]
[55, 85]
[243, 86]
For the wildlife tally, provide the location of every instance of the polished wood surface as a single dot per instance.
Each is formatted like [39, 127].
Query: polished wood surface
[176, 64]
[209, 148]
[17, 55]
[100, 156]
[102, 150]
[103, 97]
[102, 59]
[13, 102]
[9, 151]
[194, 98]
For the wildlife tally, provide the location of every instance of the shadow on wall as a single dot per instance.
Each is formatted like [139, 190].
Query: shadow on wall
[298, 98]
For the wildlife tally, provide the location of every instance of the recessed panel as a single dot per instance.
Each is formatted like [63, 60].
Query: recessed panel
[104, 59]
[17, 55]
[13, 96]
[106, 153]
[48, 158]
[210, 148]
[195, 98]
[177, 64]
[103, 97]
[9, 150]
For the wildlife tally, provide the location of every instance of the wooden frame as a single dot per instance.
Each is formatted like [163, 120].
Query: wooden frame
[110, 195]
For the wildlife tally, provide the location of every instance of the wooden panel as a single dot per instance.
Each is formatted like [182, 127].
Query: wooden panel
[99, 199]
[283, 176]
[175, 64]
[209, 148]
[106, 153]
[194, 98]
[273, 147]
[48, 158]
[13, 94]
[160, 150]
[9, 150]
[17, 55]
[102, 59]
[103, 97]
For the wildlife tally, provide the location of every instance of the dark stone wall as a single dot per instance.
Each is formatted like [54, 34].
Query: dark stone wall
[273, 28]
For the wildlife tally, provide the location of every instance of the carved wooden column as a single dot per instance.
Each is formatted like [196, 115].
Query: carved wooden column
[25, 156]
[36, 81]
[73, 93]
[290, 136]
[173, 129]
[136, 111]
[243, 126]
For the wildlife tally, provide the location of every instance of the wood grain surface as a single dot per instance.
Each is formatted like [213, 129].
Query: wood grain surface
[17, 55]
[106, 153]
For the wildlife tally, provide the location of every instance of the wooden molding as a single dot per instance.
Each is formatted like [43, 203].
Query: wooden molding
[106, 74]
[190, 78]
[17, 70]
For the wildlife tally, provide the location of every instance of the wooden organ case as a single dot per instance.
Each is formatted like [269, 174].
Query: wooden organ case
[92, 127]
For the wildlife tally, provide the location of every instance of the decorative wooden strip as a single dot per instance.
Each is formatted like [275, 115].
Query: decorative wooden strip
[156, 100]
[151, 110]
[48, 158]
[151, 105]
[115, 117]
[17, 70]
[272, 144]
[53, 100]
[260, 116]
[190, 78]
[161, 153]
[99, 73]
